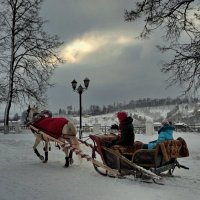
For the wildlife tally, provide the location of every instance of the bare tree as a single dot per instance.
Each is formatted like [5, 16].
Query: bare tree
[28, 54]
[180, 21]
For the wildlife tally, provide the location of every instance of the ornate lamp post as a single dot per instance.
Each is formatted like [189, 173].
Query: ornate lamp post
[80, 90]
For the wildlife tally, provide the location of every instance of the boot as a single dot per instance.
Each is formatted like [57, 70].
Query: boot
[66, 161]
[46, 157]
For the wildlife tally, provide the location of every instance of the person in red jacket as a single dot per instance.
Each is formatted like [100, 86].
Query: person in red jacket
[126, 129]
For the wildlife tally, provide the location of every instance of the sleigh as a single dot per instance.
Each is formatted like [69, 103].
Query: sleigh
[136, 161]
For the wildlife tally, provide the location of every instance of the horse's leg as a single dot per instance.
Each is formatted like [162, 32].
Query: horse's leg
[75, 145]
[46, 151]
[37, 141]
[70, 157]
[66, 157]
[65, 150]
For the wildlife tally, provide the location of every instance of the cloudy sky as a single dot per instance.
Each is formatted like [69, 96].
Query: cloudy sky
[98, 44]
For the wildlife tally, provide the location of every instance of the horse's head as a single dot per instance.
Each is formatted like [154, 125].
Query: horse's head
[31, 113]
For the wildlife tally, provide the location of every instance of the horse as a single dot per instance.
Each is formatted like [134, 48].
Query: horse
[44, 121]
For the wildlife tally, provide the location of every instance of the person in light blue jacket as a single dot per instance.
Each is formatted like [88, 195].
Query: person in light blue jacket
[165, 133]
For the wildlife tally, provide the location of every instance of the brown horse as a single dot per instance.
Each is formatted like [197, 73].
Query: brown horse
[61, 129]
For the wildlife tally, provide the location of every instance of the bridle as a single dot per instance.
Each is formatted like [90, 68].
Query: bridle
[27, 121]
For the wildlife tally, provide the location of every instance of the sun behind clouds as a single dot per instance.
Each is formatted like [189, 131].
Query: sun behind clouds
[75, 51]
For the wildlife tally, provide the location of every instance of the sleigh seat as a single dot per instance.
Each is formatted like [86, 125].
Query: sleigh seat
[164, 153]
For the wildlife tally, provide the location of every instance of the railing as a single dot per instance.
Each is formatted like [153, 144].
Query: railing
[13, 128]
[105, 129]
[85, 129]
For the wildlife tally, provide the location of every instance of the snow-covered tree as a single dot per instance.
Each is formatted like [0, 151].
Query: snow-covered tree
[179, 20]
[28, 54]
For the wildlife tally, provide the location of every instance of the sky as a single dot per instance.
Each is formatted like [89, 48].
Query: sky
[100, 45]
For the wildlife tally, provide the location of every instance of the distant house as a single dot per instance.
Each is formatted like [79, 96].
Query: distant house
[180, 126]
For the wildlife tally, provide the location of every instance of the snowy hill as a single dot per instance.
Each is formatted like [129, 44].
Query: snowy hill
[140, 115]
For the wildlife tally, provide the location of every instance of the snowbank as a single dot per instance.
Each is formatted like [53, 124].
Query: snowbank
[24, 177]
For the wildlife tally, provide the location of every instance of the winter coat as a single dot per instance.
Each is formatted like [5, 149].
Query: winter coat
[165, 133]
[127, 132]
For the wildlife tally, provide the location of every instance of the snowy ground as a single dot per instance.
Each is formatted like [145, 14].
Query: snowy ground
[24, 177]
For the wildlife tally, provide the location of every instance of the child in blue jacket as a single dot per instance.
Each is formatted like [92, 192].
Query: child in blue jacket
[165, 133]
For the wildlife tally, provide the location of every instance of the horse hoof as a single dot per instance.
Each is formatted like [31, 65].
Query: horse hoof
[66, 166]
[41, 157]
[45, 161]
[67, 161]
[71, 161]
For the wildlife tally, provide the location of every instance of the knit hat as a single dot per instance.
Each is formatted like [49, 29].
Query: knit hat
[121, 116]
[165, 121]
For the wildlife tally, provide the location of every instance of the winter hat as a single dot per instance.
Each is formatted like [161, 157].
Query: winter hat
[165, 121]
[121, 116]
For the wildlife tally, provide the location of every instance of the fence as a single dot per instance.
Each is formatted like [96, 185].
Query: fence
[15, 128]
[85, 129]
[105, 129]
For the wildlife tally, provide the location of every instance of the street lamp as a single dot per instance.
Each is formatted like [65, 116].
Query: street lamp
[80, 90]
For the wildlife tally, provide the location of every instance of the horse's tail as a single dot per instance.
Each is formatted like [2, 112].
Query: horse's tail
[75, 144]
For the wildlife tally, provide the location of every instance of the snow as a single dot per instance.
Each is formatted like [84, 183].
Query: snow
[24, 177]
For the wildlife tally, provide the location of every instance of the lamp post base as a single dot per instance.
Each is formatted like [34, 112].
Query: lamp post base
[80, 134]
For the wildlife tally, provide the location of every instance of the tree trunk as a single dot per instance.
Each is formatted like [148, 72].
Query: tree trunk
[9, 101]
[6, 116]
[8, 105]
